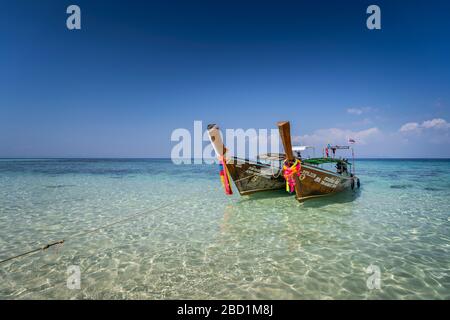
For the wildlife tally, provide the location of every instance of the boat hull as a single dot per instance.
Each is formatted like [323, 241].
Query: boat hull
[316, 182]
[251, 177]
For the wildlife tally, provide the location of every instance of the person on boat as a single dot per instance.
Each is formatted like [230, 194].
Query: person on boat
[334, 151]
[344, 166]
[327, 149]
[339, 167]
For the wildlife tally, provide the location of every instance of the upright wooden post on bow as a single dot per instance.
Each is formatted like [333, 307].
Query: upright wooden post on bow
[219, 148]
[285, 133]
[216, 140]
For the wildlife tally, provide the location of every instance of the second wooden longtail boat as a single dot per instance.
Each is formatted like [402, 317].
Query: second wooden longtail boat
[307, 176]
[312, 181]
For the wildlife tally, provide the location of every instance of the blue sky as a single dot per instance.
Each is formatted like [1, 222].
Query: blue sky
[138, 70]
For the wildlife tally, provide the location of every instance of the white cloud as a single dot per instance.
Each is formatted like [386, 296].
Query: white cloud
[337, 136]
[432, 140]
[358, 111]
[410, 126]
[437, 123]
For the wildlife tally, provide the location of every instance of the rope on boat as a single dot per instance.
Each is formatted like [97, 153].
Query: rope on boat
[279, 170]
[33, 251]
[86, 232]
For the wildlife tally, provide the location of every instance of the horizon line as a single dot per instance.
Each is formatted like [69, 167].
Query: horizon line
[168, 158]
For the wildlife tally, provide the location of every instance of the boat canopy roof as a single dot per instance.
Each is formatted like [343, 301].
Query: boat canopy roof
[340, 147]
[301, 148]
[282, 156]
[273, 156]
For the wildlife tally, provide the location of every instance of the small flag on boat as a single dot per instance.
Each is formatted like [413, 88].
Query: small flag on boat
[225, 176]
[351, 140]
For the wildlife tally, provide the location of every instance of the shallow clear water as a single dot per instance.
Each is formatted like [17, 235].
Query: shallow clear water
[205, 245]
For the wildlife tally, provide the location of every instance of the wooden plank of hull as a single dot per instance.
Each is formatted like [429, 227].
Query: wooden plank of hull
[250, 177]
[317, 182]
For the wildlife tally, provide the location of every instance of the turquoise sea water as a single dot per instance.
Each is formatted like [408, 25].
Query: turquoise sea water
[201, 244]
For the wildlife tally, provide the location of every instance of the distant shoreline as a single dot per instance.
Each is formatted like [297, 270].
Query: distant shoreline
[160, 158]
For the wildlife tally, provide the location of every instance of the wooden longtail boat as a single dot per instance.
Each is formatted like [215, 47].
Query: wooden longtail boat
[313, 181]
[248, 176]
[316, 182]
[266, 174]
